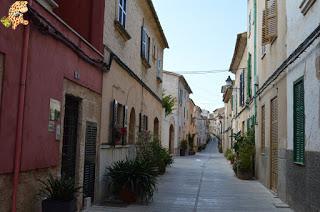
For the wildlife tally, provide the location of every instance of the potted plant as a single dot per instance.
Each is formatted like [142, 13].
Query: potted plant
[59, 194]
[245, 149]
[183, 147]
[132, 180]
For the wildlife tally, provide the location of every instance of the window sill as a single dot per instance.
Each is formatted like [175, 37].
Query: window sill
[108, 146]
[299, 164]
[122, 31]
[145, 62]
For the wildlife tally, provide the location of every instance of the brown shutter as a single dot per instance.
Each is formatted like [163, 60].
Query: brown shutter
[271, 19]
[264, 28]
[114, 112]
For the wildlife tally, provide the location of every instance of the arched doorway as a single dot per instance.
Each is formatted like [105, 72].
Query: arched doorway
[156, 128]
[171, 139]
[132, 127]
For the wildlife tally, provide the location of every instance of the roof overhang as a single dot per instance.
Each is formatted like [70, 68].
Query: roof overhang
[239, 50]
[153, 10]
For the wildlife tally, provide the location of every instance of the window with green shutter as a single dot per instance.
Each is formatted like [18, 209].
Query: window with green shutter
[249, 92]
[298, 122]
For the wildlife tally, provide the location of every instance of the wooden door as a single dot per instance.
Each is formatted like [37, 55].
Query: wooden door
[274, 145]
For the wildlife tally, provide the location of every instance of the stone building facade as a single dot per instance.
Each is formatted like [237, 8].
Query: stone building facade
[50, 99]
[302, 151]
[132, 87]
[177, 122]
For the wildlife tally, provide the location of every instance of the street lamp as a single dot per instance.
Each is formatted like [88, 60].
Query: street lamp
[229, 82]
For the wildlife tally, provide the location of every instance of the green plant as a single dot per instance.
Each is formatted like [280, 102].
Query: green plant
[245, 150]
[184, 144]
[150, 149]
[137, 176]
[62, 189]
[168, 102]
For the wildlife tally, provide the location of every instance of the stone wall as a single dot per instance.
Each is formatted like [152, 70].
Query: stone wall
[303, 182]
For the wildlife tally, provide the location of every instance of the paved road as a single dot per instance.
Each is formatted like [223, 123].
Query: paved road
[204, 182]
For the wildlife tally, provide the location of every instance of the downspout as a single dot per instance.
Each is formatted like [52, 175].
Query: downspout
[255, 60]
[20, 117]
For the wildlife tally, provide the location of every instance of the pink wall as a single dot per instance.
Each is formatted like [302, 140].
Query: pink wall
[49, 62]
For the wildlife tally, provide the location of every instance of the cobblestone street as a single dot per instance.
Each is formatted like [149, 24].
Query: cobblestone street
[204, 182]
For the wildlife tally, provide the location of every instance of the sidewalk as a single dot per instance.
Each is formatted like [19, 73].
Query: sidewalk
[204, 182]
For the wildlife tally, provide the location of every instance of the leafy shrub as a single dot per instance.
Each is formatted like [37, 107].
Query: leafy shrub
[168, 102]
[245, 149]
[150, 149]
[184, 145]
[61, 189]
[136, 176]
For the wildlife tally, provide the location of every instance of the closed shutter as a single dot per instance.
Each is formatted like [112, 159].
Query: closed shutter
[271, 19]
[241, 89]
[274, 144]
[90, 159]
[264, 28]
[125, 124]
[263, 129]
[249, 77]
[140, 122]
[114, 111]
[143, 42]
[299, 128]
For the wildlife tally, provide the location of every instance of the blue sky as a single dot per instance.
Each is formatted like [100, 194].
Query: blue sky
[201, 36]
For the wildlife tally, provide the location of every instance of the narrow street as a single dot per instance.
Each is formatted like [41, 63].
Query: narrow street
[204, 182]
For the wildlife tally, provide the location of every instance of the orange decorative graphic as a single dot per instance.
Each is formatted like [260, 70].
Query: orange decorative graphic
[15, 15]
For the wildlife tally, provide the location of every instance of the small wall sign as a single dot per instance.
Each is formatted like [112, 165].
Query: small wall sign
[54, 117]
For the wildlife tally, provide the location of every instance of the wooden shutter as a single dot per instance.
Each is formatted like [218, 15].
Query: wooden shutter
[241, 91]
[264, 28]
[271, 20]
[274, 144]
[140, 122]
[249, 77]
[114, 123]
[143, 42]
[90, 159]
[299, 128]
[125, 124]
[148, 48]
[263, 129]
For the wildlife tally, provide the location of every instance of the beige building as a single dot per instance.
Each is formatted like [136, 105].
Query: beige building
[191, 127]
[269, 38]
[132, 88]
[176, 125]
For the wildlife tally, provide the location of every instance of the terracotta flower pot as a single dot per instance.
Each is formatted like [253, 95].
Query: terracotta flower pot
[56, 205]
[127, 196]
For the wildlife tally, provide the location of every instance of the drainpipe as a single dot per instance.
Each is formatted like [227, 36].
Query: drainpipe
[21, 105]
[255, 60]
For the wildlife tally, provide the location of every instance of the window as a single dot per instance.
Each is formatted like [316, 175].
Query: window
[249, 78]
[241, 89]
[159, 68]
[145, 45]
[270, 22]
[119, 123]
[298, 122]
[180, 96]
[122, 13]
[143, 122]
[263, 129]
